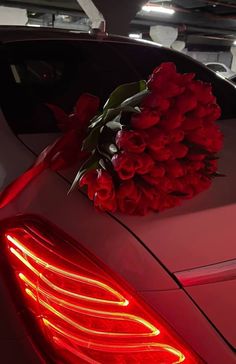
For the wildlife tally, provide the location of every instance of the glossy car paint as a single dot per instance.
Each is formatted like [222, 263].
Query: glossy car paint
[146, 252]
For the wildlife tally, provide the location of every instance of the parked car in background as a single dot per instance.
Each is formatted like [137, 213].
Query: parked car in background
[220, 68]
[232, 78]
[78, 286]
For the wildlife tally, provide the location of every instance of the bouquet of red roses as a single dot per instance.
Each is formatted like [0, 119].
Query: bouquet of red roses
[153, 145]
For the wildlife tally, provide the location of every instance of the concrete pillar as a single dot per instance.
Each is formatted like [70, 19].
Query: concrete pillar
[12, 16]
[163, 34]
[118, 14]
[233, 65]
[178, 45]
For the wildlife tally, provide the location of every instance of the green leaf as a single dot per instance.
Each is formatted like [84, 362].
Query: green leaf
[90, 142]
[123, 92]
[113, 113]
[91, 163]
[95, 120]
[135, 99]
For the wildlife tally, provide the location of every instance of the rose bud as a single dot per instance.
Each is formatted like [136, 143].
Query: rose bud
[124, 164]
[109, 204]
[202, 91]
[144, 163]
[157, 170]
[154, 101]
[186, 102]
[172, 120]
[89, 179]
[145, 119]
[157, 139]
[128, 197]
[162, 154]
[131, 141]
[174, 169]
[191, 123]
[176, 135]
[105, 187]
[178, 150]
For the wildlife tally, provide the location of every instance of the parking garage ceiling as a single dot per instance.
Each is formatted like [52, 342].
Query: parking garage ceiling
[205, 22]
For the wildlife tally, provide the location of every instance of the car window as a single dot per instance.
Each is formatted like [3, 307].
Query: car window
[217, 67]
[35, 73]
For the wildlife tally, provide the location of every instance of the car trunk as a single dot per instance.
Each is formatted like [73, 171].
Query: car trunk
[199, 234]
[196, 241]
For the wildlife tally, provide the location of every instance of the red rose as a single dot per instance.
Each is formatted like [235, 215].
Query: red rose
[169, 89]
[158, 170]
[176, 135]
[89, 179]
[167, 184]
[202, 91]
[157, 139]
[151, 180]
[131, 141]
[200, 111]
[144, 163]
[162, 154]
[195, 156]
[172, 120]
[165, 80]
[124, 164]
[209, 138]
[212, 166]
[182, 186]
[198, 182]
[213, 114]
[109, 204]
[166, 71]
[163, 201]
[174, 169]
[145, 119]
[155, 101]
[127, 164]
[99, 183]
[186, 102]
[191, 123]
[185, 79]
[178, 150]
[193, 166]
[128, 197]
[105, 186]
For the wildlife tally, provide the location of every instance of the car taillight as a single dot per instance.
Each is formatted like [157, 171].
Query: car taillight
[84, 312]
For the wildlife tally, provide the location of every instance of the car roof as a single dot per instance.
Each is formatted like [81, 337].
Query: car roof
[19, 33]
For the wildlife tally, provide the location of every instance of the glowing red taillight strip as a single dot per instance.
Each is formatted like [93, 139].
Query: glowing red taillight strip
[61, 344]
[119, 348]
[95, 313]
[84, 329]
[122, 301]
[84, 311]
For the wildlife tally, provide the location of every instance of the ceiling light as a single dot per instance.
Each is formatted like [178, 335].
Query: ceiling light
[234, 43]
[34, 25]
[158, 9]
[135, 35]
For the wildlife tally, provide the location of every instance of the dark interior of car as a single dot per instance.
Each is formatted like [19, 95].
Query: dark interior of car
[34, 73]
